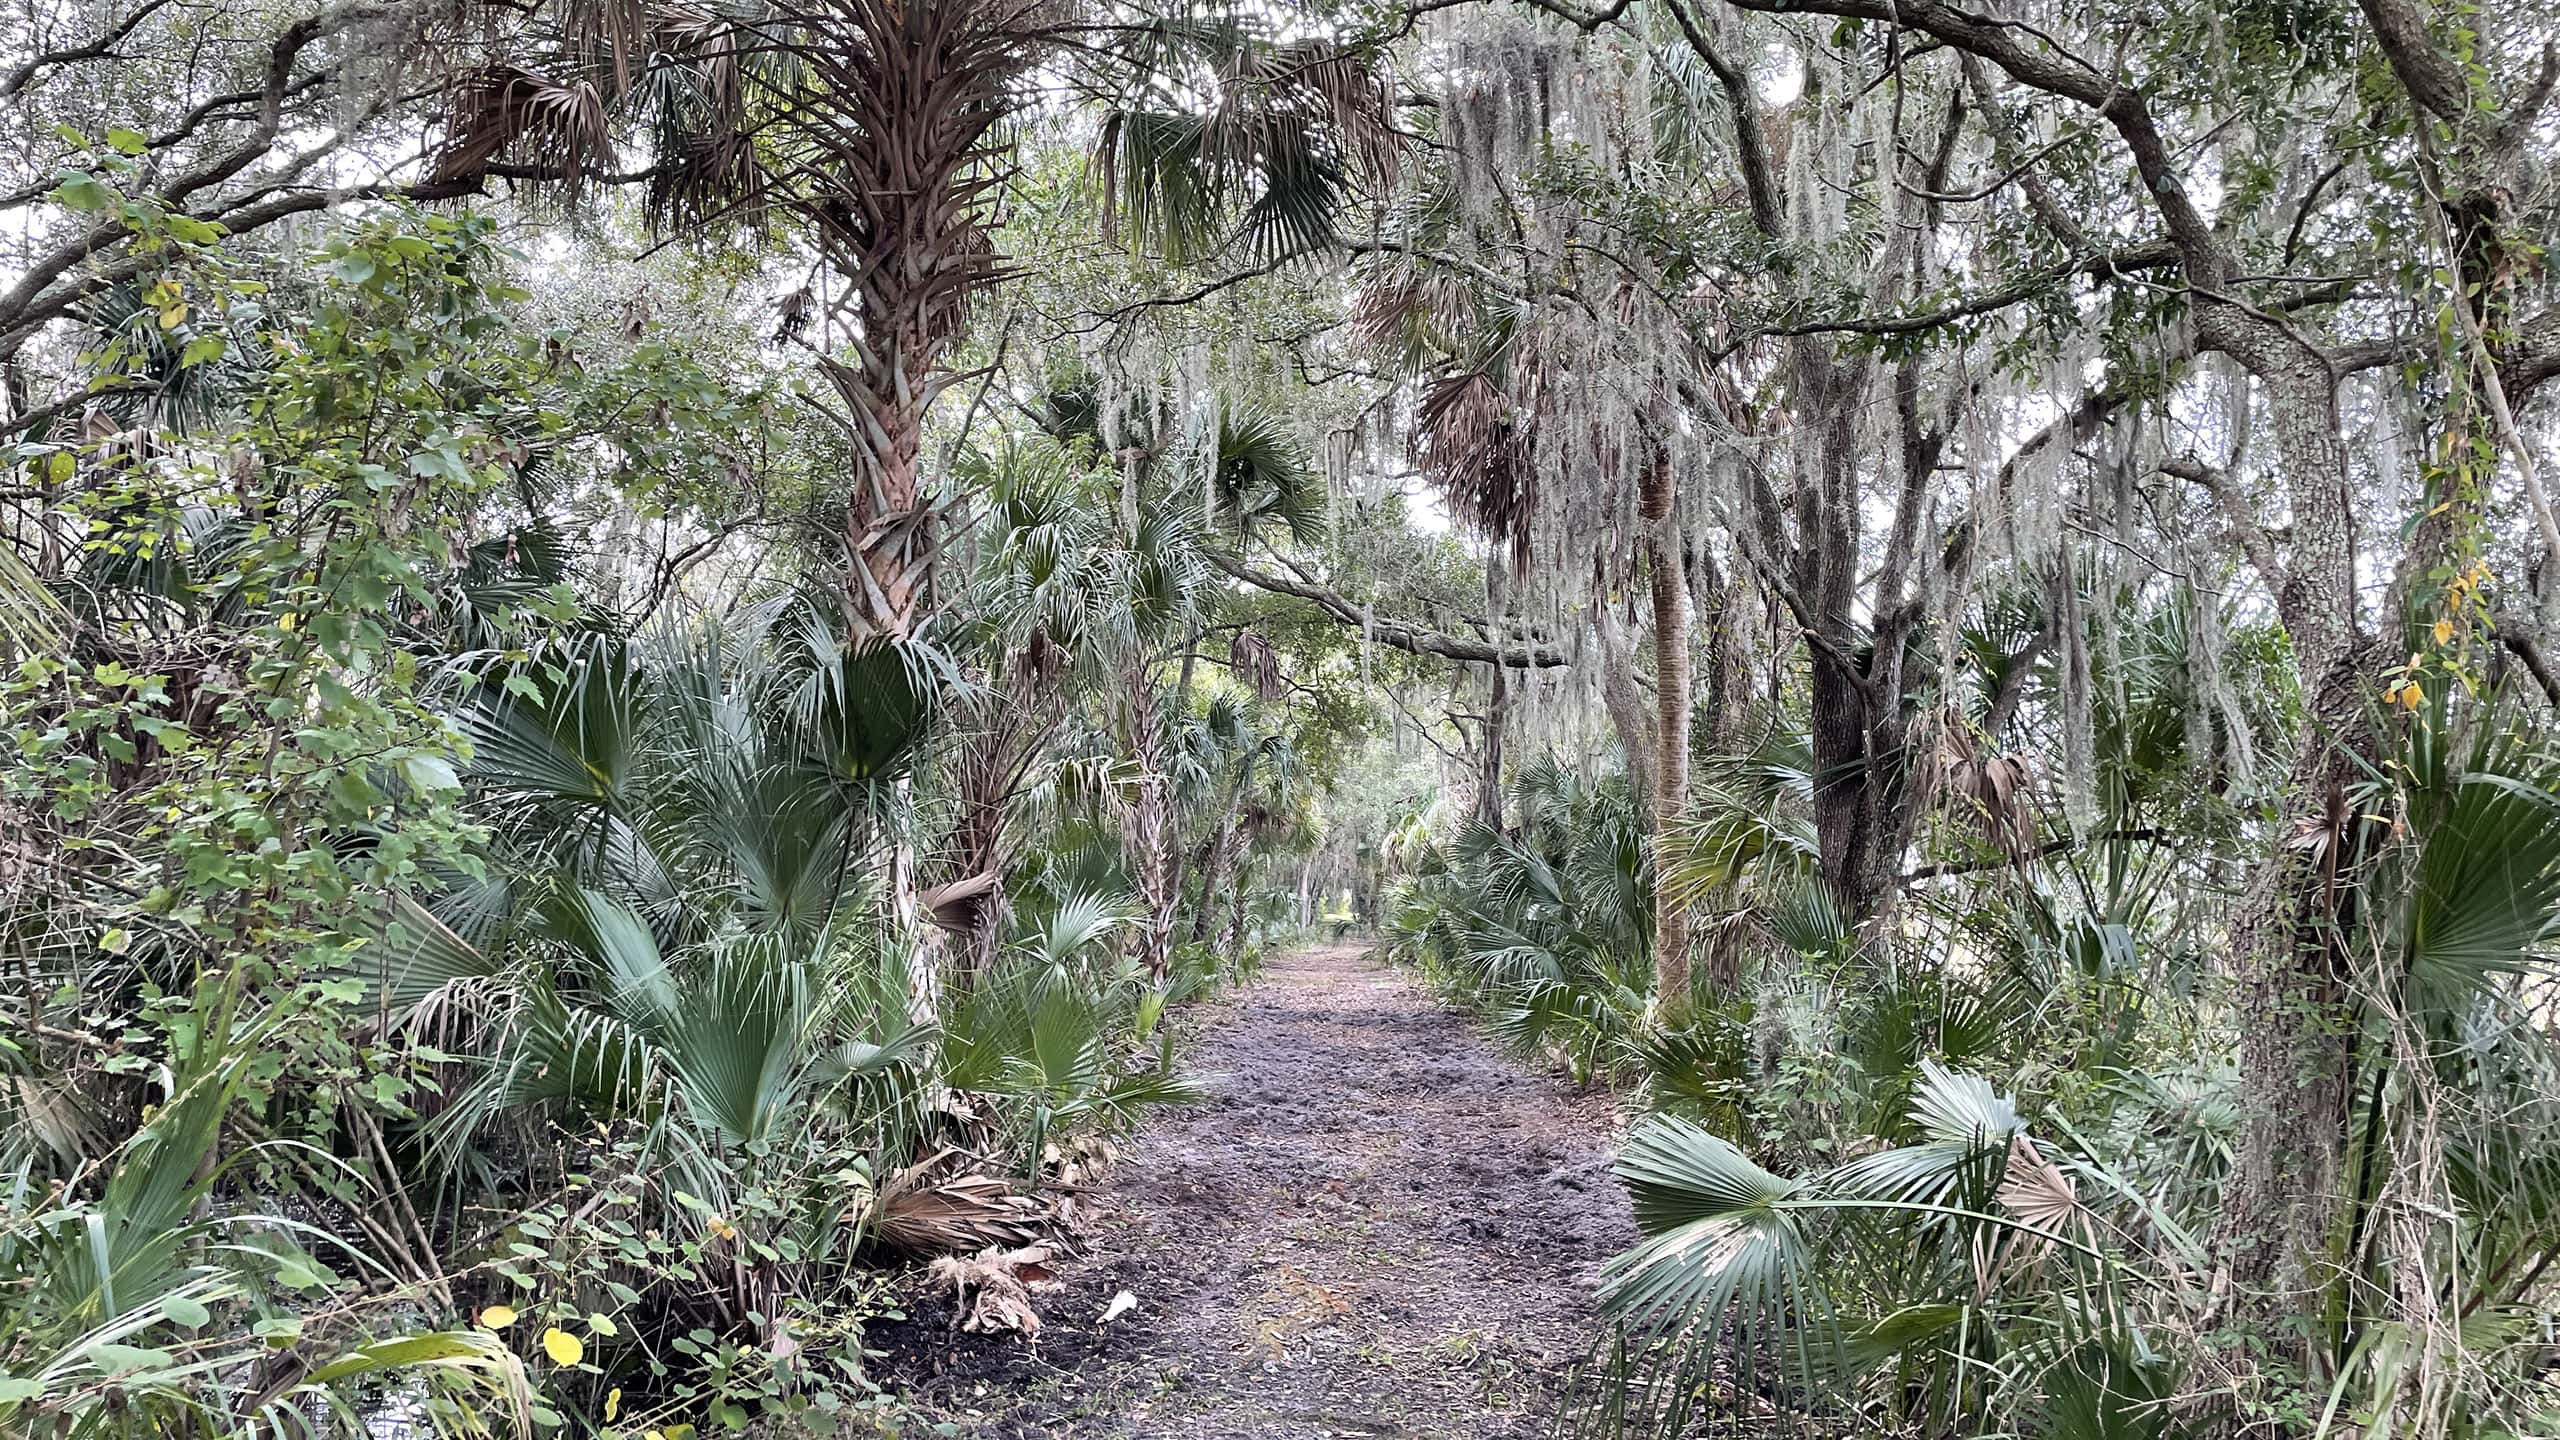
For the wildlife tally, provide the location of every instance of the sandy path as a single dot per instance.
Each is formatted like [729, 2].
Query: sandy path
[1378, 1225]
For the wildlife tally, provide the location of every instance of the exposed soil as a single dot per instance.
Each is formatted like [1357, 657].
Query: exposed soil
[1378, 1225]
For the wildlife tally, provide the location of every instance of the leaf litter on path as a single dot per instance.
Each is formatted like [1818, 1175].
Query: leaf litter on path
[1377, 1224]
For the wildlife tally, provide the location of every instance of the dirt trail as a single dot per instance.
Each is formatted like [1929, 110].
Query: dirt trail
[1379, 1225]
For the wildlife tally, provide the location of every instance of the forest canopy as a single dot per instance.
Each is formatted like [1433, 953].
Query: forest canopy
[651, 647]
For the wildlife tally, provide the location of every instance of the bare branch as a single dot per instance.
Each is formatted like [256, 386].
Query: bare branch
[1400, 634]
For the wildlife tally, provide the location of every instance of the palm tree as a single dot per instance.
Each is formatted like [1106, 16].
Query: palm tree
[1165, 578]
[1246, 770]
[1073, 590]
[878, 129]
[717, 774]
[1046, 1032]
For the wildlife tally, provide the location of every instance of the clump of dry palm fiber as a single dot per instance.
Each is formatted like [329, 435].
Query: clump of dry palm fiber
[992, 1289]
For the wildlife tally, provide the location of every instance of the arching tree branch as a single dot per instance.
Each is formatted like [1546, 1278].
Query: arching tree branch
[1387, 630]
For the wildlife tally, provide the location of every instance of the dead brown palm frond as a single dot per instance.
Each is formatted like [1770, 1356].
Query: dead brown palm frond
[1469, 440]
[1386, 309]
[956, 905]
[1257, 665]
[1353, 96]
[611, 37]
[1410, 312]
[1995, 789]
[51, 1111]
[937, 1207]
[2039, 1194]
[558, 130]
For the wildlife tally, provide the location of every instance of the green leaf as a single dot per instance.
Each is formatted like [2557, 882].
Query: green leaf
[80, 190]
[429, 774]
[442, 1347]
[299, 1273]
[127, 142]
[129, 1359]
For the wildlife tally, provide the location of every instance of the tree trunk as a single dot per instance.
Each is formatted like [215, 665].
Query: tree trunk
[1624, 700]
[1231, 935]
[1215, 857]
[1719, 611]
[1150, 821]
[2294, 996]
[993, 756]
[2291, 990]
[918, 87]
[1828, 501]
[1658, 506]
[1497, 708]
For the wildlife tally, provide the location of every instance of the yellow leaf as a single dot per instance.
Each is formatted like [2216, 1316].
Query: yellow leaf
[613, 1402]
[285, 622]
[2411, 697]
[563, 1347]
[2444, 632]
[497, 1317]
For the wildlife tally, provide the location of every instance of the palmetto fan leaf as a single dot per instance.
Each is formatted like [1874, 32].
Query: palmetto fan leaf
[1966, 1128]
[1262, 475]
[1063, 934]
[415, 956]
[1226, 136]
[574, 740]
[1941, 1244]
[2487, 894]
[1728, 1263]
[1304, 188]
[727, 1039]
[1156, 185]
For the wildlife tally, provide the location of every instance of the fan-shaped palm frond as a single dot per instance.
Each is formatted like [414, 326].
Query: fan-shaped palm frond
[1278, 137]
[1061, 935]
[2487, 896]
[1261, 476]
[1473, 449]
[1729, 1265]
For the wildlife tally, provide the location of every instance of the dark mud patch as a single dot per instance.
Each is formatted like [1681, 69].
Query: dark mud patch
[1378, 1226]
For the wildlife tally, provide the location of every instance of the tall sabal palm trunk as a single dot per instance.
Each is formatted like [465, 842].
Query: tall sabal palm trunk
[1658, 507]
[915, 91]
[1497, 703]
[1231, 933]
[1150, 819]
[1217, 858]
[970, 904]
